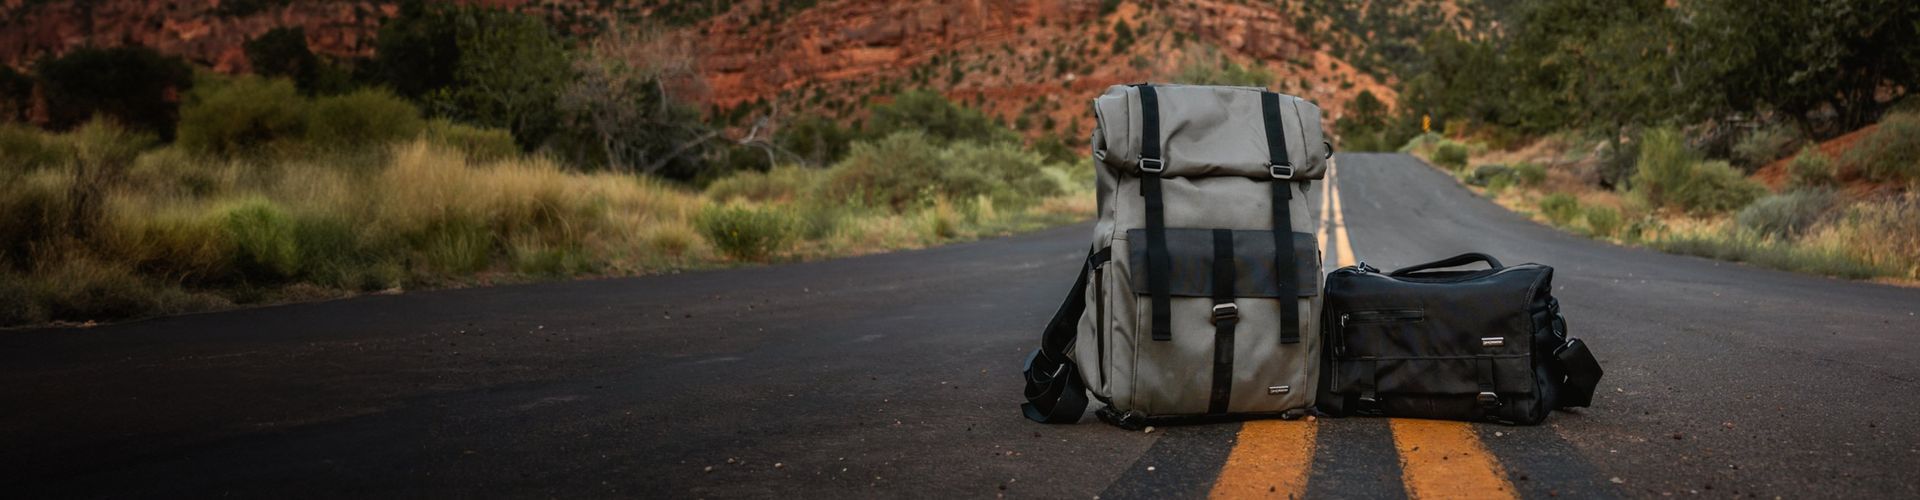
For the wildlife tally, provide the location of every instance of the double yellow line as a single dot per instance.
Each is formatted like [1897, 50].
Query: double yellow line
[1438, 460]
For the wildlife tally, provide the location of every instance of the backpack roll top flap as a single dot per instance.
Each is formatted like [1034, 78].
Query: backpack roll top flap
[1212, 131]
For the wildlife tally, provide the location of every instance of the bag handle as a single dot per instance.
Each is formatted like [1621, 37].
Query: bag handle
[1454, 261]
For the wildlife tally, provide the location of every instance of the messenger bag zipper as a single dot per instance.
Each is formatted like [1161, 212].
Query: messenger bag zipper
[1373, 317]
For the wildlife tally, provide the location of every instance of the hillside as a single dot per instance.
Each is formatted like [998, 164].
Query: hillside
[1024, 61]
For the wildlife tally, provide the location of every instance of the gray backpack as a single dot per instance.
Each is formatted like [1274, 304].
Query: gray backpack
[1199, 297]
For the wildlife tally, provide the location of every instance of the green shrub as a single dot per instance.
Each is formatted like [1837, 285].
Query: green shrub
[1604, 222]
[24, 149]
[1560, 208]
[266, 248]
[784, 183]
[478, 144]
[1211, 67]
[932, 114]
[330, 251]
[365, 118]
[1530, 174]
[1764, 145]
[454, 246]
[1452, 155]
[907, 169]
[539, 259]
[245, 115]
[81, 289]
[1889, 153]
[19, 305]
[1671, 176]
[1812, 168]
[1487, 174]
[744, 233]
[1785, 215]
[38, 210]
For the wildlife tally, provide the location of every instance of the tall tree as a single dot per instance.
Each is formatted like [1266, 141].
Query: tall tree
[1803, 58]
[134, 85]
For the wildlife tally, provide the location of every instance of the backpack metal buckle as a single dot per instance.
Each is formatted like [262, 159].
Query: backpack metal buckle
[1225, 311]
[1152, 165]
[1488, 399]
[1281, 171]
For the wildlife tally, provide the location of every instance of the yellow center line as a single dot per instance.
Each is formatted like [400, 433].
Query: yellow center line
[1343, 245]
[1274, 457]
[1270, 458]
[1445, 460]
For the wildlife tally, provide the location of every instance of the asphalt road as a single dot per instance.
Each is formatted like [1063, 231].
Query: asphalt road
[897, 376]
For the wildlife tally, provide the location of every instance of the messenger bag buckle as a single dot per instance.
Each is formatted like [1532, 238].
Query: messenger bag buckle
[1488, 399]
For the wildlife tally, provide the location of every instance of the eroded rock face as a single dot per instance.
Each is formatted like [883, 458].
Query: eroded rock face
[1035, 58]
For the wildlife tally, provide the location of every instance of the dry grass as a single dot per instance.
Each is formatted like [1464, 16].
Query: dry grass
[172, 231]
[1865, 234]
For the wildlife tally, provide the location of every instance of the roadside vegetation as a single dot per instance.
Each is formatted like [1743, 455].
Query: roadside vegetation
[318, 179]
[1676, 126]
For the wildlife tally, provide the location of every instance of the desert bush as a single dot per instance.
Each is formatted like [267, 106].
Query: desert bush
[1764, 145]
[366, 118]
[907, 169]
[478, 144]
[1208, 66]
[1486, 174]
[1785, 215]
[19, 304]
[1452, 155]
[38, 212]
[1603, 222]
[1884, 233]
[744, 233]
[934, 117]
[24, 149]
[1671, 176]
[784, 184]
[242, 116]
[1530, 174]
[1812, 168]
[265, 244]
[1891, 152]
[1560, 208]
[81, 289]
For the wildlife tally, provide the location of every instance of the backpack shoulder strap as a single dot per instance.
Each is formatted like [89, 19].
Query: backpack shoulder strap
[1055, 394]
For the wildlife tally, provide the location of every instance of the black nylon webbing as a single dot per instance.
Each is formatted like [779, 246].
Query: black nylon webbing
[1282, 219]
[1158, 264]
[1223, 321]
[1276, 131]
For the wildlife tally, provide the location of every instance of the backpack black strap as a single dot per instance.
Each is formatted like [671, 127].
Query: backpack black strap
[1159, 265]
[1055, 394]
[1281, 168]
[1226, 315]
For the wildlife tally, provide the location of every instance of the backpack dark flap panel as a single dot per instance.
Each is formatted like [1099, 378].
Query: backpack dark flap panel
[1191, 254]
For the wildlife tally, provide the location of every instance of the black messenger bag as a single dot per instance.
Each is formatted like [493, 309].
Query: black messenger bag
[1422, 342]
